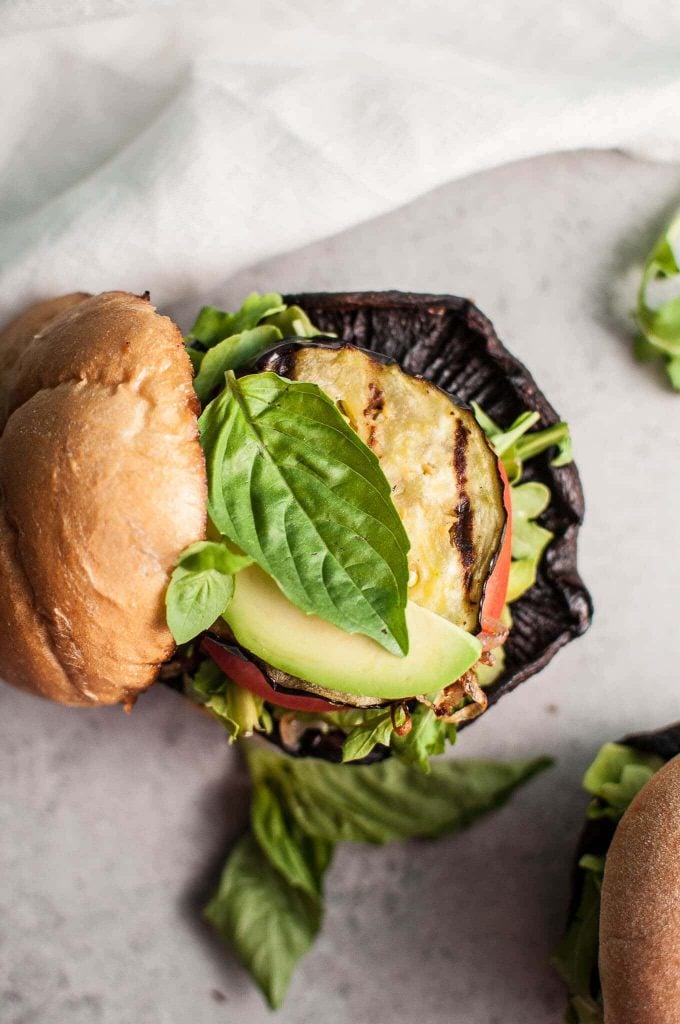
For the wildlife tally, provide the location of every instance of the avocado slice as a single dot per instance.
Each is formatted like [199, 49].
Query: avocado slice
[265, 622]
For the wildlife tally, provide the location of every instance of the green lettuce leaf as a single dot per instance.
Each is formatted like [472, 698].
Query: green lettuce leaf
[660, 325]
[301, 859]
[293, 486]
[269, 905]
[389, 801]
[201, 587]
[529, 540]
[269, 923]
[237, 709]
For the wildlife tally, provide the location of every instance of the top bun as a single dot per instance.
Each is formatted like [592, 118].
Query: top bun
[640, 913]
[102, 485]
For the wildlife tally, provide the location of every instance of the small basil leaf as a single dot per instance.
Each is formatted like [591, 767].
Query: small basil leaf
[293, 486]
[231, 354]
[269, 923]
[201, 587]
[213, 325]
[363, 738]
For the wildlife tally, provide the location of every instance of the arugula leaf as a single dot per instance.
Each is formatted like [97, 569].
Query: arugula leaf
[529, 540]
[660, 325]
[301, 859]
[383, 802]
[374, 730]
[201, 587]
[292, 485]
[213, 325]
[515, 445]
[239, 711]
[427, 738]
[293, 322]
[269, 923]
[233, 352]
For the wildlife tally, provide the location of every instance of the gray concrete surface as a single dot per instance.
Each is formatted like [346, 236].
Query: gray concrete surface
[113, 828]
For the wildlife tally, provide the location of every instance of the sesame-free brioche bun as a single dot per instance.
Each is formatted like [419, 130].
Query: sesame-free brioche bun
[102, 485]
[640, 911]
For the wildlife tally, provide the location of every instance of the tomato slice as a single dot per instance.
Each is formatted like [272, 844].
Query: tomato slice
[250, 677]
[496, 588]
[246, 674]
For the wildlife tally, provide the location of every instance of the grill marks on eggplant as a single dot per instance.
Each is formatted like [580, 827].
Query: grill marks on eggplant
[443, 474]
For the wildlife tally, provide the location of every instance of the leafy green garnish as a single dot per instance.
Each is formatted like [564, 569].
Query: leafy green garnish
[240, 711]
[235, 351]
[213, 325]
[660, 326]
[269, 923]
[529, 540]
[221, 341]
[614, 779]
[514, 446]
[269, 904]
[201, 587]
[292, 485]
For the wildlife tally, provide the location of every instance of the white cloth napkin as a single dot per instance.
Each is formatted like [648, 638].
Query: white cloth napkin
[175, 144]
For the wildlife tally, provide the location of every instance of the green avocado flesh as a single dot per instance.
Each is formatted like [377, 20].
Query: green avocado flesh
[265, 622]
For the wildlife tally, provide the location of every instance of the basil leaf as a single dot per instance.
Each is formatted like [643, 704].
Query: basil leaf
[201, 587]
[230, 354]
[301, 860]
[269, 923]
[213, 325]
[363, 738]
[292, 485]
[383, 802]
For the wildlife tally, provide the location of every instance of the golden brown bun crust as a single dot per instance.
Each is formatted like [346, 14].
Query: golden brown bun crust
[640, 915]
[102, 484]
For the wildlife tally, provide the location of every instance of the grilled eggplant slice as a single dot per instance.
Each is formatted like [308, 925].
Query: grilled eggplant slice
[444, 476]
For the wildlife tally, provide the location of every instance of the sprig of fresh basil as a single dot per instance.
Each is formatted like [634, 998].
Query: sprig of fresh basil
[291, 484]
[233, 352]
[201, 587]
[213, 325]
[221, 341]
[269, 905]
[660, 325]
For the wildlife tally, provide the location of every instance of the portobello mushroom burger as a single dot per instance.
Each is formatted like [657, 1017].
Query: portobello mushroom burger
[288, 515]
